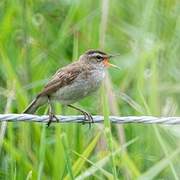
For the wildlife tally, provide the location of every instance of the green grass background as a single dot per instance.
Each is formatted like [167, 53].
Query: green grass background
[39, 36]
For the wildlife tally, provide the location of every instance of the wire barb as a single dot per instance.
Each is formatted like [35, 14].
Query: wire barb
[96, 119]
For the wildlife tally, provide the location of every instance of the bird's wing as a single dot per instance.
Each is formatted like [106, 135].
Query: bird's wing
[62, 77]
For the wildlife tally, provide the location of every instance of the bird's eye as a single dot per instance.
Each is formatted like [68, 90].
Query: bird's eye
[99, 58]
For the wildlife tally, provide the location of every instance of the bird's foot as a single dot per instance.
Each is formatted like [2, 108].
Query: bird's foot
[51, 116]
[88, 118]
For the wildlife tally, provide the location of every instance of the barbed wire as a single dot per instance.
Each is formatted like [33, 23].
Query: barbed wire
[97, 119]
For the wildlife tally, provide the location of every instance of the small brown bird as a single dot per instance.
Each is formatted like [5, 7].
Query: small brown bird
[73, 82]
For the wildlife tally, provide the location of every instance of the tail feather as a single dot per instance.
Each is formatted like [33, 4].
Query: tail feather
[34, 105]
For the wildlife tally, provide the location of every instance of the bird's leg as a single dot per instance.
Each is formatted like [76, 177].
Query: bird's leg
[51, 113]
[87, 116]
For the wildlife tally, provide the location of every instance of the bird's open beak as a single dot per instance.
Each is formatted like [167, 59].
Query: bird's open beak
[106, 61]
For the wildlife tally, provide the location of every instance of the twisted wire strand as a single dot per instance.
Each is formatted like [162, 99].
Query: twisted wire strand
[97, 119]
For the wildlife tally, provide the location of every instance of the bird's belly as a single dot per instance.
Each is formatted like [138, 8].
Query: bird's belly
[80, 88]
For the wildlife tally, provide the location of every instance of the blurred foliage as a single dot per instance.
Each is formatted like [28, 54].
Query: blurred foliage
[39, 36]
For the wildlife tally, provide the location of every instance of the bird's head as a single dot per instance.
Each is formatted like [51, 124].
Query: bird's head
[97, 58]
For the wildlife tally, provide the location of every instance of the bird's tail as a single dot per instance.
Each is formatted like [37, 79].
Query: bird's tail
[35, 104]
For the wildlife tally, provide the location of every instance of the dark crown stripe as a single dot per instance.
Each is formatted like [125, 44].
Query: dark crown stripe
[95, 51]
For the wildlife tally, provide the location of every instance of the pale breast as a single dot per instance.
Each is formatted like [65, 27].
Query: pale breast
[82, 86]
